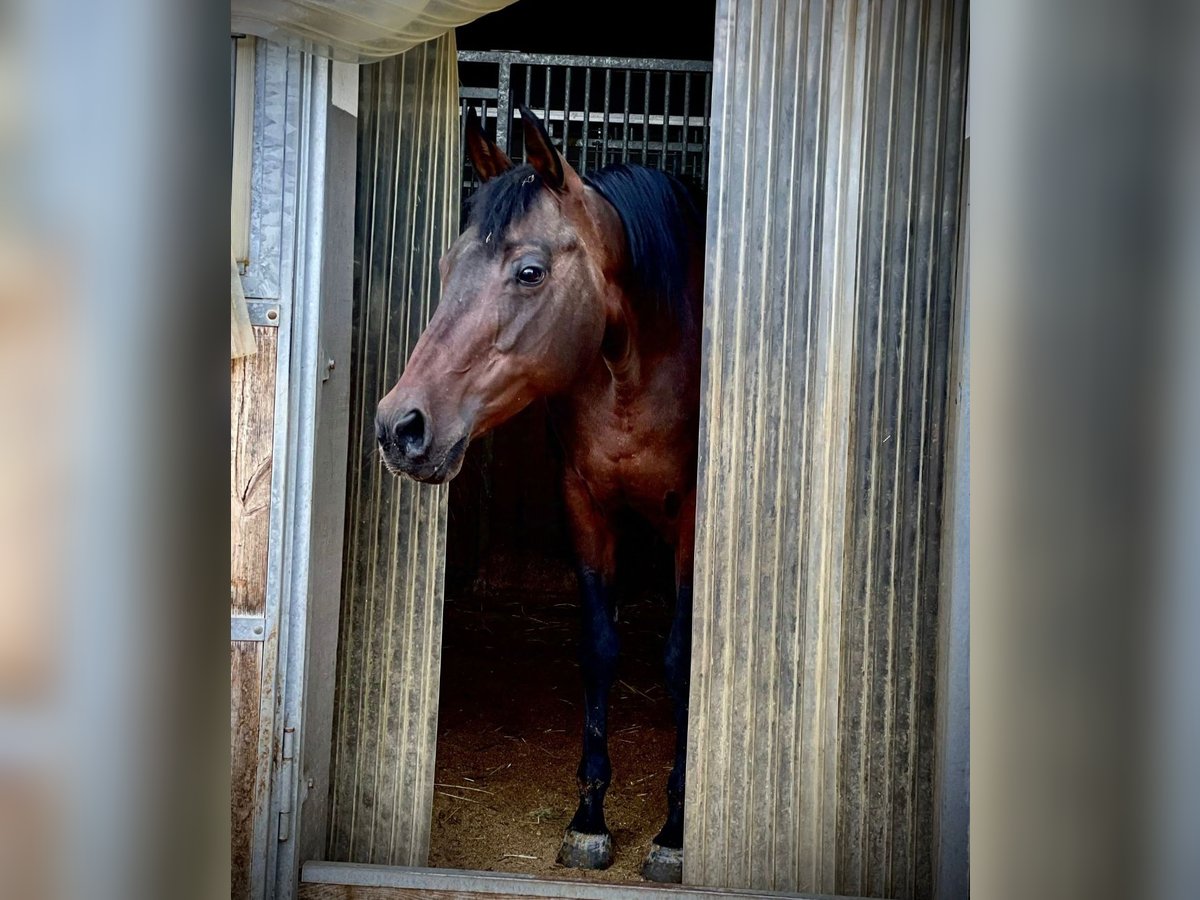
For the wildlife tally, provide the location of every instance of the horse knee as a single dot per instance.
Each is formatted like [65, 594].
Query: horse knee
[601, 647]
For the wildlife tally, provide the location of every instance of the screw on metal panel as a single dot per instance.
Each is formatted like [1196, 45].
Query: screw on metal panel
[258, 629]
[332, 365]
[272, 314]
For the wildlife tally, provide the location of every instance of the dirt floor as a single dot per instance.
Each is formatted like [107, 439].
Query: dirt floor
[510, 720]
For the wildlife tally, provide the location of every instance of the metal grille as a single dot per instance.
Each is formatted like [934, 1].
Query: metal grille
[598, 109]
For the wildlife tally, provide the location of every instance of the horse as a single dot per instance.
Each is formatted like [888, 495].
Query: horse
[584, 293]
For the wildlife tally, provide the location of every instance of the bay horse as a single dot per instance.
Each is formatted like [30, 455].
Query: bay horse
[584, 292]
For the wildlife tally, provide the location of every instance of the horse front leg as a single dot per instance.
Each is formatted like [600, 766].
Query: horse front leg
[587, 843]
[664, 862]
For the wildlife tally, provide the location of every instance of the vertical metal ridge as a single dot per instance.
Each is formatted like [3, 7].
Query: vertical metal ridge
[698, 809]
[763, 501]
[389, 657]
[737, 656]
[833, 149]
[852, 789]
[836, 606]
[783, 776]
[815, 860]
[928, 131]
[781, 802]
[368, 152]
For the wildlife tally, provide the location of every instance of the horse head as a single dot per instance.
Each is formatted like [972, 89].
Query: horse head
[527, 290]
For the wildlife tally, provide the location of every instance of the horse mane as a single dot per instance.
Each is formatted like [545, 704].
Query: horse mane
[657, 210]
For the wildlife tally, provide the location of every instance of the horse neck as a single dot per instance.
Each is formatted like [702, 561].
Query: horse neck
[627, 335]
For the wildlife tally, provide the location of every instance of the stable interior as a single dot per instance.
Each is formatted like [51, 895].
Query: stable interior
[510, 712]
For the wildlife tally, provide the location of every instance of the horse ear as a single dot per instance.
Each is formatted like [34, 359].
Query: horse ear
[541, 153]
[487, 158]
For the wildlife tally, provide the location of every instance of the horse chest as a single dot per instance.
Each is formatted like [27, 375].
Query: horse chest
[631, 458]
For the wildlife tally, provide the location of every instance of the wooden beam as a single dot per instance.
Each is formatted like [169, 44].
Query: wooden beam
[252, 427]
[251, 440]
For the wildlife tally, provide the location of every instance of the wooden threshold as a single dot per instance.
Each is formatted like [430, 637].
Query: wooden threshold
[355, 881]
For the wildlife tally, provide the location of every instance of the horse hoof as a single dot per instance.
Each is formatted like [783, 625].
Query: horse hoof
[585, 851]
[663, 864]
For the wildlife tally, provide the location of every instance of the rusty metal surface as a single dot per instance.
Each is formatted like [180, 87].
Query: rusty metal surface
[389, 655]
[832, 222]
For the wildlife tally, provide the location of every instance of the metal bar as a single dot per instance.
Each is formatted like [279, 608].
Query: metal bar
[654, 121]
[587, 105]
[566, 132]
[546, 105]
[646, 115]
[707, 128]
[297, 383]
[528, 82]
[476, 93]
[604, 126]
[247, 628]
[598, 62]
[687, 112]
[503, 105]
[657, 146]
[673, 147]
[454, 882]
[463, 106]
[625, 125]
[666, 116]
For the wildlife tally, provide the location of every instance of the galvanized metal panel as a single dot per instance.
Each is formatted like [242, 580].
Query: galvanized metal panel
[391, 621]
[276, 99]
[280, 77]
[832, 222]
[330, 450]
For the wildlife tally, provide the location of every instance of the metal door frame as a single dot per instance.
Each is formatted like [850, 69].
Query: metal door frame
[291, 282]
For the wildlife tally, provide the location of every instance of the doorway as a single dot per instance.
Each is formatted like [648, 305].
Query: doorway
[510, 710]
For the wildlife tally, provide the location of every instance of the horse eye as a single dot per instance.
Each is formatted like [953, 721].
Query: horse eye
[531, 275]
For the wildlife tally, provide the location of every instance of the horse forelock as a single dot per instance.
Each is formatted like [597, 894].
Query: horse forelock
[503, 200]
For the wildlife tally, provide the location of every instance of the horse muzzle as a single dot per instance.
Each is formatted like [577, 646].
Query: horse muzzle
[408, 446]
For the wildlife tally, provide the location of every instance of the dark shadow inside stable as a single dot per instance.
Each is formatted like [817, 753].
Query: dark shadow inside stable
[510, 712]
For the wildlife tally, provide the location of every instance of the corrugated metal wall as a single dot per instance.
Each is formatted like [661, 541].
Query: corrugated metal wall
[389, 657]
[832, 225]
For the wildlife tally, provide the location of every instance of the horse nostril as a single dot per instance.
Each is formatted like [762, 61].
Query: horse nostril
[410, 432]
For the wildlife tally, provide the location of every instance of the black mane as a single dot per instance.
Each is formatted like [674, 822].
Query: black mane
[503, 200]
[657, 211]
